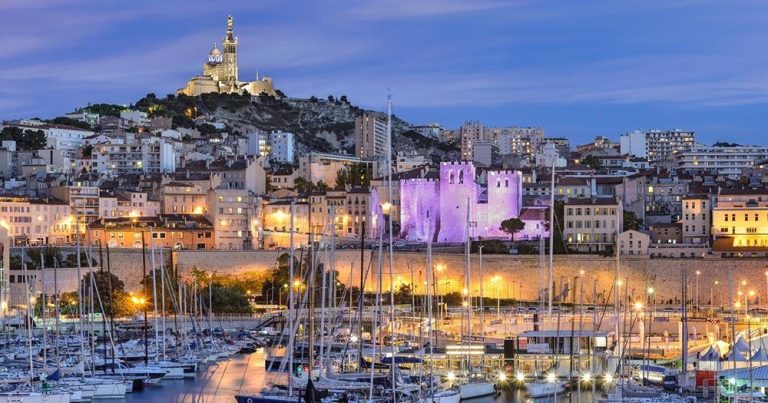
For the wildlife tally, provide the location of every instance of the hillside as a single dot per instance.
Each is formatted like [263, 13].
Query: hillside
[324, 125]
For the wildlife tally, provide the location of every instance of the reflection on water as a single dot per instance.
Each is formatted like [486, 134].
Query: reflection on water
[246, 374]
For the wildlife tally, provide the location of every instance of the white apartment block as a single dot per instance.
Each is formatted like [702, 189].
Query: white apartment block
[655, 145]
[258, 144]
[592, 224]
[134, 117]
[234, 219]
[281, 146]
[150, 155]
[725, 161]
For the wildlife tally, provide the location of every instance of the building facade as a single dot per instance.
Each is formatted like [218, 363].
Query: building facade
[655, 145]
[592, 224]
[725, 161]
[370, 136]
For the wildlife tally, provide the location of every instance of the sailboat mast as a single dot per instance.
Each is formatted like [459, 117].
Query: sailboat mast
[291, 307]
[551, 238]
[79, 295]
[390, 246]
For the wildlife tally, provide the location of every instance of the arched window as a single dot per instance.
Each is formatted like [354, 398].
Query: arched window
[461, 176]
[506, 183]
[498, 183]
[450, 178]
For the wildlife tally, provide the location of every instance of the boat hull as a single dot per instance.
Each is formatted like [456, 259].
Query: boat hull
[477, 389]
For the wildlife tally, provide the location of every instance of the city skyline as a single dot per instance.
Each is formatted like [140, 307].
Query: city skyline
[577, 71]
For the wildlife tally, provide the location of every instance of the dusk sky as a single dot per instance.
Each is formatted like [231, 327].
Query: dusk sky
[576, 68]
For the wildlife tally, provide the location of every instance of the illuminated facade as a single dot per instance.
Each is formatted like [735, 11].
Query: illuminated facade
[439, 208]
[164, 231]
[221, 72]
[740, 220]
[36, 222]
[184, 198]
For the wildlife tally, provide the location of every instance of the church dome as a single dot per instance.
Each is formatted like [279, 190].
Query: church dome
[215, 55]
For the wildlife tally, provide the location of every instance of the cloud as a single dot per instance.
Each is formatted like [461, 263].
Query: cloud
[396, 9]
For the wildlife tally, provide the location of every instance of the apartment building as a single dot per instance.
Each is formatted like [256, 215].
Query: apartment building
[370, 135]
[177, 231]
[281, 147]
[740, 220]
[656, 145]
[133, 156]
[697, 219]
[724, 161]
[234, 217]
[469, 133]
[592, 224]
[36, 221]
[83, 201]
[634, 242]
[184, 198]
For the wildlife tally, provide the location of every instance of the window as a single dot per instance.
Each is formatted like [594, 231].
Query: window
[570, 211]
[746, 217]
[751, 230]
[757, 217]
[726, 217]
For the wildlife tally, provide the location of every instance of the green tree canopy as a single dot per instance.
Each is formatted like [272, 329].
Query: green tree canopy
[26, 140]
[512, 226]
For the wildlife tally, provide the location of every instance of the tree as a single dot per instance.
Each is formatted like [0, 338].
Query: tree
[630, 221]
[343, 99]
[63, 120]
[354, 175]
[403, 294]
[592, 162]
[512, 226]
[87, 151]
[118, 305]
[52, 257]
[330, 99]
[26, 140]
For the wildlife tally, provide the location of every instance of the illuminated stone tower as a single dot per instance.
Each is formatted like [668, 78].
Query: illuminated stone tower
[230, 57]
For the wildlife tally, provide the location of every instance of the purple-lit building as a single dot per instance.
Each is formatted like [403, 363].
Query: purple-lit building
[455, 206]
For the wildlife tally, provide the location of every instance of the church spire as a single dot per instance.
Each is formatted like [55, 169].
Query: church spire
[230, 36]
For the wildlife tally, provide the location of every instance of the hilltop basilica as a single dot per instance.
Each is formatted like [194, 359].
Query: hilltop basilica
[220, 72]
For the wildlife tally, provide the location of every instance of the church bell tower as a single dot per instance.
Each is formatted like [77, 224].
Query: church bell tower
[230, 56]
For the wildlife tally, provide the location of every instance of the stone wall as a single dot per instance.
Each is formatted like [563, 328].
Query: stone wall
[505, 276]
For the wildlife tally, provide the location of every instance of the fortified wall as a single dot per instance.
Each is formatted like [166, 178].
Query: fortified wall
[518, 277]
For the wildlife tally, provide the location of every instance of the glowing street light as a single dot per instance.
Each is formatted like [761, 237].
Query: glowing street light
[520, 377]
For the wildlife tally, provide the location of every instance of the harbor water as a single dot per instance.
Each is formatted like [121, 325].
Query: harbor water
[245, 374]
